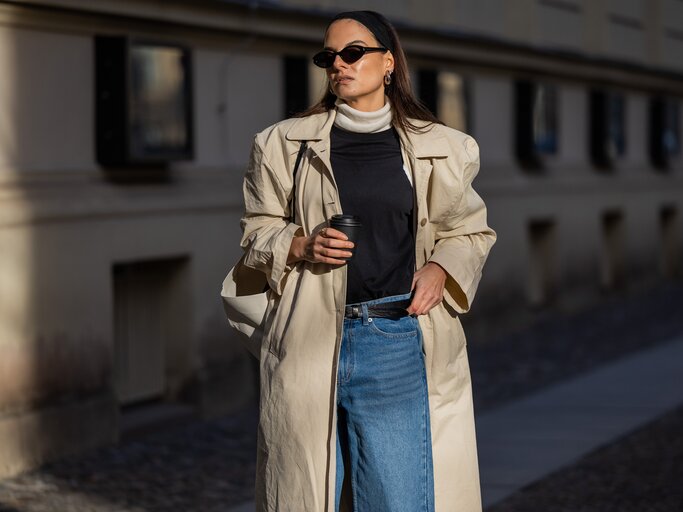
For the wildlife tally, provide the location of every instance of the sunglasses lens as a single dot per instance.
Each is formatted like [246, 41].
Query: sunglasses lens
[351, 54]
[324, 59]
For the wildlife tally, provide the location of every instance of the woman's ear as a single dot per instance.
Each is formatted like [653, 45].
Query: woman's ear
[389, 62]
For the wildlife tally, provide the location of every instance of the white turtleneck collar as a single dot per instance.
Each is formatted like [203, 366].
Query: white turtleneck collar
[350, 119]
[353, 120]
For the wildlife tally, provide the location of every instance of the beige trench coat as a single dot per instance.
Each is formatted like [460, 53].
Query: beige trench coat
[299, 348]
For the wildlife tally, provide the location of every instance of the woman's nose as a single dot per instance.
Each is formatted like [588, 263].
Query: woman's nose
[338, 62]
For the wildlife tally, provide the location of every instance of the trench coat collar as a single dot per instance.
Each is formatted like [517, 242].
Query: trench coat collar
[429, 144]
[312, 128]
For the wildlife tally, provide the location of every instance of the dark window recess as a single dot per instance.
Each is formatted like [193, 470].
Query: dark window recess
[669, 224]
[150, 328]
[428, 89]
[536, 130]
[542, 262]
[613, 267]
[665, 134]
[607, 127]
[143, 102]
[296, 85]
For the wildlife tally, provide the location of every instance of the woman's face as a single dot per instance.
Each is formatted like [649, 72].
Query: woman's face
[361, 84]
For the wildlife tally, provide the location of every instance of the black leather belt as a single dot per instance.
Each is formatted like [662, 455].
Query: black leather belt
[393, 310]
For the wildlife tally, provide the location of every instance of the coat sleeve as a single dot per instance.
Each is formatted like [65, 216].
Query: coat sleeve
[463, 239]
[266, 231]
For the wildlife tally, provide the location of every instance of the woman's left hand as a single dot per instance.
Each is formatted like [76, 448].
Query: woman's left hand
[428, 283]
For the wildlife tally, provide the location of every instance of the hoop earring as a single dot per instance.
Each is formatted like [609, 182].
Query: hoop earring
[387, 78]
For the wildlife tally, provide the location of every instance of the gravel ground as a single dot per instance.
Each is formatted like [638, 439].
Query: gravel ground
[641, 472]
[204, 467]
[209, 466]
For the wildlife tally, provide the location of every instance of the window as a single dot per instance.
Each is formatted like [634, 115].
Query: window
[296, 85]
[671, 242]
[445, 94]
[607, 128]
[612, 258]
[665, 135]
[542, 280]
[143, 102]
[428, 89]
[536, 130]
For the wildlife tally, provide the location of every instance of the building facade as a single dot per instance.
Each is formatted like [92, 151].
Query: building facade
[125, 129]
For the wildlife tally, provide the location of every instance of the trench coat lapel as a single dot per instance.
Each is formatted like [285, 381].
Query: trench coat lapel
[419, 150]
[316, 131]
[312, 128]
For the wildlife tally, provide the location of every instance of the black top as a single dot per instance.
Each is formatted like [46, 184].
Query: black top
[368, 169]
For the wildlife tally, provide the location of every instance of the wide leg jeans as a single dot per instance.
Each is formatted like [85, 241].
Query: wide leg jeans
[384, 452]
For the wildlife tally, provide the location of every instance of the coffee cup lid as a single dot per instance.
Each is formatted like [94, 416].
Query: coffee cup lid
[346, 219]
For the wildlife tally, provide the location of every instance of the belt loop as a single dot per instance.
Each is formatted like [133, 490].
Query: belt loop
[365, 314]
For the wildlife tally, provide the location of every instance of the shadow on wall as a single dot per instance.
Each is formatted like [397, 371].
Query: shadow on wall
[105, 303]
[55, 368]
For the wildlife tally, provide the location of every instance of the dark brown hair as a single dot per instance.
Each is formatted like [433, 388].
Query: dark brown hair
[404, 104]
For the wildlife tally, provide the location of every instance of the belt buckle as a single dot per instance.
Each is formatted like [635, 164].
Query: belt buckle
[355, 312]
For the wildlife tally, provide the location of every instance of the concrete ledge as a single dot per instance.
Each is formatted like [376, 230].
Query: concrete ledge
[33, 438]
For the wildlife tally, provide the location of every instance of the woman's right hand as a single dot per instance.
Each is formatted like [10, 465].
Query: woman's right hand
[326, 246]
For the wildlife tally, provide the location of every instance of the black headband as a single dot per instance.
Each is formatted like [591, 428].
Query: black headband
[373, 22]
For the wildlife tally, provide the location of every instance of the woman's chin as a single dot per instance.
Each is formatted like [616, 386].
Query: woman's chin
[344, 94]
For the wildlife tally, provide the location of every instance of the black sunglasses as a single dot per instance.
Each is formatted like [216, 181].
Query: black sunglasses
[350, 54]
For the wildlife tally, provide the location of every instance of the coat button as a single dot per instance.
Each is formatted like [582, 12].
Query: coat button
[423, 222]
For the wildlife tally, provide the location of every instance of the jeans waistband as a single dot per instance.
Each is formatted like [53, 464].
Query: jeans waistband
[391, 298]
[393, 307]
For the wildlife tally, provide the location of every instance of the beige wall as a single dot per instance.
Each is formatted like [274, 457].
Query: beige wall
[559, 25]
[670, 24]
[39, 109]
[230, 84]
[647, 32]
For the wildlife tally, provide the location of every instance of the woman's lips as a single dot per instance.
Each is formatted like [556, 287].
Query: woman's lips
[343, 80]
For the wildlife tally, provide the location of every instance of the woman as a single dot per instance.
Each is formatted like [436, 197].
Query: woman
[365, 388]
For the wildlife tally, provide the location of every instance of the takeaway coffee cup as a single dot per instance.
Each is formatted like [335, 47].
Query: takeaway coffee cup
[348, 224]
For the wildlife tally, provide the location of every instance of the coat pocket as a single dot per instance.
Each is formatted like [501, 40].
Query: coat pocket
[245, 306]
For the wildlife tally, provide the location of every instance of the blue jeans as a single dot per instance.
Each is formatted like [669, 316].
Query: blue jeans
[384, 449]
